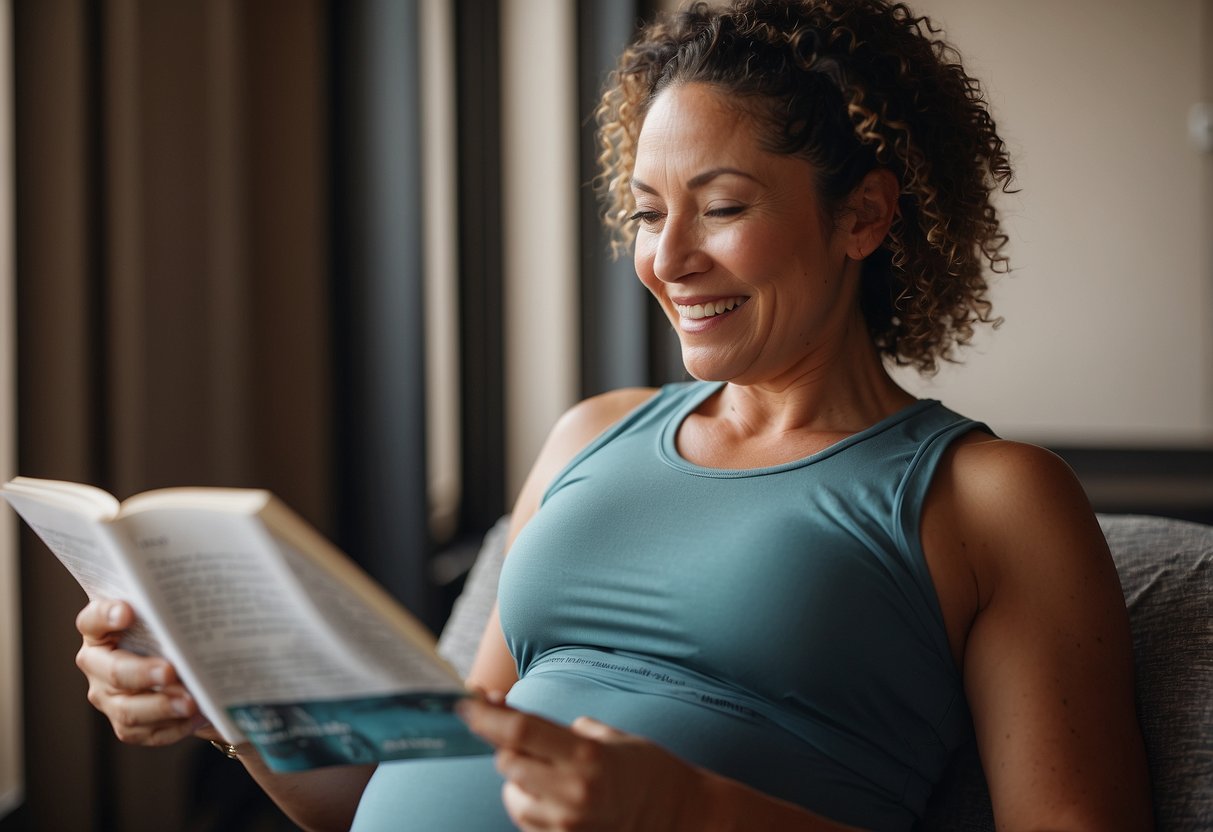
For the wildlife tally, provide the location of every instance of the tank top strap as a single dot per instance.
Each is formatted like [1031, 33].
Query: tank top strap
[912, 489]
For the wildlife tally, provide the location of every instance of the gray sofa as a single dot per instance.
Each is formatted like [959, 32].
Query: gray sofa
[1166, 571]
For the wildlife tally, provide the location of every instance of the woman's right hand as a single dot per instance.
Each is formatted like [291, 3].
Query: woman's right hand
[141, 696]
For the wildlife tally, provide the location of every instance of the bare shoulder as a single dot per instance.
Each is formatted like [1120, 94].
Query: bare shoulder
[1016, 475]
[1013, 506]
[585, 420]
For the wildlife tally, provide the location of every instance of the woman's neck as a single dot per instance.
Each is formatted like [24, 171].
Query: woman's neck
[781, 420]
[841, 390]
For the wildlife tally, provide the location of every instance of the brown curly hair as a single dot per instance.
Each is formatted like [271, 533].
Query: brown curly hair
[848, 85]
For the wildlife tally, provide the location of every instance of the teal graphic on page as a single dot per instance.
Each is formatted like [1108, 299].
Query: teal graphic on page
[307, 735]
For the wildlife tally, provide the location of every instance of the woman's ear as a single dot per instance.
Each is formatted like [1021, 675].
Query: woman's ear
[871, 207]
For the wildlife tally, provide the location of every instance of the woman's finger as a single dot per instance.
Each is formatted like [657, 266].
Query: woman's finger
[529, 813]
[155, 733]
[171, 732]
[585, 726]
[148, 718]
[99, 620]
[122, 670]
[504, 727]
[541, 778]
[150, 709]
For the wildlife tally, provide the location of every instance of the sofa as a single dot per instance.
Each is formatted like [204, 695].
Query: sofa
[1166, 572]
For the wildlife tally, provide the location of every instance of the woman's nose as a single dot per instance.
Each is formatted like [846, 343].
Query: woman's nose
[680, 251]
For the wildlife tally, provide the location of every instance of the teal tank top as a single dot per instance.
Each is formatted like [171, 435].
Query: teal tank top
[776, 625]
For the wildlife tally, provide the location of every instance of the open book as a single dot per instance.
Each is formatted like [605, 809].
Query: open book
[281, 639]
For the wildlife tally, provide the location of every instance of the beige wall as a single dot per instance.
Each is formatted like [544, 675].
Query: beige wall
[539, 180]
[10, 625]
[1109, 311]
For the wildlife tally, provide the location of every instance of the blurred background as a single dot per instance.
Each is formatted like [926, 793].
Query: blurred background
[346, 250]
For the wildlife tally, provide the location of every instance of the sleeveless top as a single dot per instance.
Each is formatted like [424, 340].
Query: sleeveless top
[794, 599]
[776, 625]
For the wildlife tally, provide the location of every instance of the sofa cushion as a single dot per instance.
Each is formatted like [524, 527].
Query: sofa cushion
[1166, 571]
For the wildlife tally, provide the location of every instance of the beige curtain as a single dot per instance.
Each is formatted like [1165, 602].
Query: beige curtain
[173, 326]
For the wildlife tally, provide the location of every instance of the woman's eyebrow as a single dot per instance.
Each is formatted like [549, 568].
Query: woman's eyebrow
[698, 180]
[637, 185]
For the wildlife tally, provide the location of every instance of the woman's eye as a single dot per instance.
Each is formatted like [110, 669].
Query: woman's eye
[725, 211]
[645, 217]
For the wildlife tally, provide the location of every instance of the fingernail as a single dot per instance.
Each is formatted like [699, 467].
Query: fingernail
[114, 615]
[159, 675]
[180, 706]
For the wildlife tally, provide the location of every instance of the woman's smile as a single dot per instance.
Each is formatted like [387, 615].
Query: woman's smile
[697, 314]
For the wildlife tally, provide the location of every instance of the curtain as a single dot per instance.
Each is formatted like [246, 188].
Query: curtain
[175, 324]
[11, 735]
[625, 339]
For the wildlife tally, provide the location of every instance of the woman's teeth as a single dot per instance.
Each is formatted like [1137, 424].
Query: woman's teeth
[707, 310]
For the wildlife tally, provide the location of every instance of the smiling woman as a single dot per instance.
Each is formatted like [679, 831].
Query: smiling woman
[925, 284]
[781, 595]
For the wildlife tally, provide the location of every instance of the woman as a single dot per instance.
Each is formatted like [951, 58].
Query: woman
[785, 587]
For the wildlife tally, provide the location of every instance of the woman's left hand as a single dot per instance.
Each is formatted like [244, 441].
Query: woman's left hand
[586, 776]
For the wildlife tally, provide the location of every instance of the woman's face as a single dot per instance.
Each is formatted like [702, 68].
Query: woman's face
[735, 246]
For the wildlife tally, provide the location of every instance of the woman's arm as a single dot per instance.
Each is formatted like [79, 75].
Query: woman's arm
[1047, 657]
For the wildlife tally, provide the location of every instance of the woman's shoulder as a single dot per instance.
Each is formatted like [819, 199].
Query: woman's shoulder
[1002, 513]
[585, 420]
[987, 478]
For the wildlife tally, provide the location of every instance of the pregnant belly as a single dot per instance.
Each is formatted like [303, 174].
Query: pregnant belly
[626, 693]
[722, 730]
[428, 795]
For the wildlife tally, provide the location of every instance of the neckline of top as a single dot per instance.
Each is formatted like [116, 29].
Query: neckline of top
[668, 448]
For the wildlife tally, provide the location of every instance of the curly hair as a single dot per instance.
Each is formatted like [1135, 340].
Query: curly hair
[848, 85]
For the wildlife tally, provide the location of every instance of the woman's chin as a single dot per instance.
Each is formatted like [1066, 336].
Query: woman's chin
[709, 367]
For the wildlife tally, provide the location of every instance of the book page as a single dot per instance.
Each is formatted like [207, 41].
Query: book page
[74, 540]
[366, 636]
[242, 622]
[287, 656]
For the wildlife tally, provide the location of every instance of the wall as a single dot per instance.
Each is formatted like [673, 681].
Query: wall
[539, 163]
[1108, 337]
